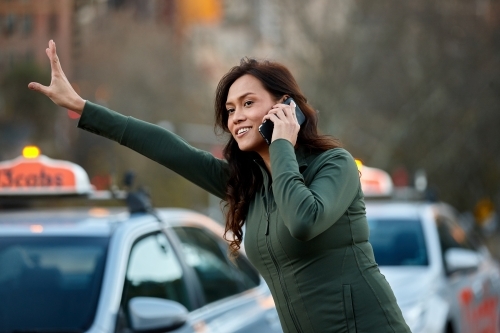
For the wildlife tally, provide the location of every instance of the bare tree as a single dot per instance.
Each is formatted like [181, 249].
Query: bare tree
[406, 84]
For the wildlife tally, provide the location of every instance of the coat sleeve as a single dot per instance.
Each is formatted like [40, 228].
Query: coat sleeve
[307, 211]
[158, 144]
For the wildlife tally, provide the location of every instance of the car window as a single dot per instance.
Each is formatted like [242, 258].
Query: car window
[451, 234]
[218, 277]
[398, 242]
[50, 283]
[154, 271]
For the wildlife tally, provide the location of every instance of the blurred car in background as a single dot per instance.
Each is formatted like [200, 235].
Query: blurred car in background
[94, 269]
[444, 280]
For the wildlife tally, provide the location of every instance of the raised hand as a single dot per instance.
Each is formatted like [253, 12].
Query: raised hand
[60, 90]
[285, 122]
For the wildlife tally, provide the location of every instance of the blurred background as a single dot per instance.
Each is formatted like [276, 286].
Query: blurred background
[412, 87]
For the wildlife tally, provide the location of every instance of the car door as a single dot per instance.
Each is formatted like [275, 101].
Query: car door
[474, 302]
[153, 270]
[235, 297]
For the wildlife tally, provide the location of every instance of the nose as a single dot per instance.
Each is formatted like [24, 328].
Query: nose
[238, 116]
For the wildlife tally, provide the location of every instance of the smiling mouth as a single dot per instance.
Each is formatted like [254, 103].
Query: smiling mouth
[243, 130]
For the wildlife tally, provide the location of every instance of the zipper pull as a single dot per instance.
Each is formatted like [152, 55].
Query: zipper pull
[267, 224]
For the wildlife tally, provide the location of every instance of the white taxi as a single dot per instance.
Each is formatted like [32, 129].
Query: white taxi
[100, 270]
[444, 281]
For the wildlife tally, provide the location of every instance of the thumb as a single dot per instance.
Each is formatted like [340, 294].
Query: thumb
[38, 87]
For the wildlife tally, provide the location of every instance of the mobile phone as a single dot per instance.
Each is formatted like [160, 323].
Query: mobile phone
[266, 128]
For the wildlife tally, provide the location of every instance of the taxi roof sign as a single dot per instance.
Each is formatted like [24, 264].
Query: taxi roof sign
[375, 182]
[39, 175]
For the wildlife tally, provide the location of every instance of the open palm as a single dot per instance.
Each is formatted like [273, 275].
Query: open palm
[60, 90]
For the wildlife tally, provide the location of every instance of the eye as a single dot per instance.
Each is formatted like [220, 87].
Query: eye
[248, 103]
[230, 111]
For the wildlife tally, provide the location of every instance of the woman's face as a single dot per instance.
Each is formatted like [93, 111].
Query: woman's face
[247, 103]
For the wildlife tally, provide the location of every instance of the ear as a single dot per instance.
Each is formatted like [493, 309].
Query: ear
[284, 98]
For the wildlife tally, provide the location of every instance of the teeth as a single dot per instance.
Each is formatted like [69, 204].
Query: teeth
[243, 130]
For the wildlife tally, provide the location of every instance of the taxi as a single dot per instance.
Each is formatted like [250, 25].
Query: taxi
[444, 279]
[135, 269]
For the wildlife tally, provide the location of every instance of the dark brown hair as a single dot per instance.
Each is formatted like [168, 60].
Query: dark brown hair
[245, 176]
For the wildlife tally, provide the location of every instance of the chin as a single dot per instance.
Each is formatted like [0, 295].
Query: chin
[244, 148]
[255, 147]
[253, 143]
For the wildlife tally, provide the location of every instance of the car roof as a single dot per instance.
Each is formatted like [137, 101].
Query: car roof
[92, 221]
[67, 221]
[396, 209]
[184, 217]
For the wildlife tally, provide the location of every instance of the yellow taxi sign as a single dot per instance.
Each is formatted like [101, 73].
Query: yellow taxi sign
[359, 164]
[33, 174]
[31, 152]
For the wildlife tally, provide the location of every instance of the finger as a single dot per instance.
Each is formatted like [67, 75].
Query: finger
[281, 114]
[293, 106]
[271, 116]
[280, 106]
[283, 108]
[287, 109]
[55, 64]
[273, 112]
[38, 87]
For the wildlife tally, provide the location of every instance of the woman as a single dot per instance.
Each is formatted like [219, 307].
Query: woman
[300, 197]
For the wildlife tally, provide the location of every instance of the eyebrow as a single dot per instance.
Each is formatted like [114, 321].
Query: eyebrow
[241, 97]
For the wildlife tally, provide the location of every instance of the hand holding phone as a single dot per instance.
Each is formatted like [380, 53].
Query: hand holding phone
[266, 128]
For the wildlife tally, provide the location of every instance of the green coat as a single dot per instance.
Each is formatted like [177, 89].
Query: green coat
[306, 229]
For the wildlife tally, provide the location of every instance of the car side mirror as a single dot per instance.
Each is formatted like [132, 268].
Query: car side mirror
[150, 314]
[458, 259]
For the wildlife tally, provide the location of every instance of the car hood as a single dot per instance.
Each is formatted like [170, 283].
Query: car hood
[409, 283]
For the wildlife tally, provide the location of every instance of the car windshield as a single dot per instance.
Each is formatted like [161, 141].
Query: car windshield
[398, 242]
[50, 284]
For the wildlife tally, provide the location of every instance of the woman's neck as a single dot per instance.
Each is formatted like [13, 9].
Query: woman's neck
[264, 154]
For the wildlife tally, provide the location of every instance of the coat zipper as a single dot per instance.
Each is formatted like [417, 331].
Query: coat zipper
[276, 265]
